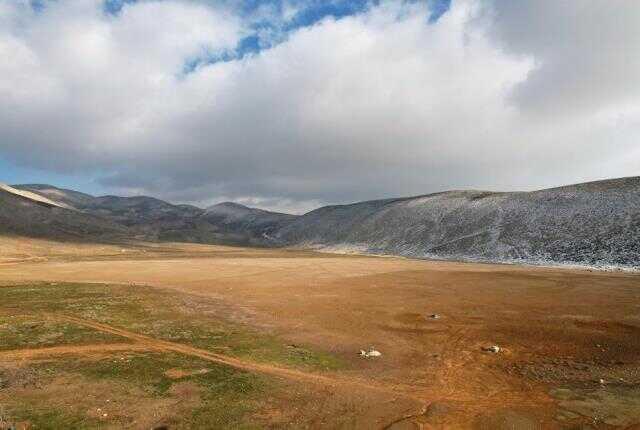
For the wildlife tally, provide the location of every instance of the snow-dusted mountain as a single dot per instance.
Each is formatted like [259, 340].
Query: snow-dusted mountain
[596, 224]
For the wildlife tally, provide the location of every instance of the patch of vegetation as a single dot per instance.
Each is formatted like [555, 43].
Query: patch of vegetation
[63, 393]
[225, 395]
[47, 418]
[25, 331]
[149, 370]
[163, 314]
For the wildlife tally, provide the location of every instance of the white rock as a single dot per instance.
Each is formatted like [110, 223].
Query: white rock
[374, 353]
[371, 353]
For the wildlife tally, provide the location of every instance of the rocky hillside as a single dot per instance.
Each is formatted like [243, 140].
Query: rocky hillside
[594, 224]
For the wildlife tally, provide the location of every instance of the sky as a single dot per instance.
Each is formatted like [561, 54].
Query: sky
[294, 104]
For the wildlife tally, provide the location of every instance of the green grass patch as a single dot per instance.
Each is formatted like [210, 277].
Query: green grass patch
[148, 370]
[48, 418]
[163, 314]
[225, 398]
[67, 392]
[26, 331]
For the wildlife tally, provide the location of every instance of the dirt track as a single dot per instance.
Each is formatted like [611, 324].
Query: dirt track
[146, 342]
[555, 327]
[100, 348]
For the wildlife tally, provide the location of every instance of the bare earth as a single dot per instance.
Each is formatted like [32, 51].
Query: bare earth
[560, 331]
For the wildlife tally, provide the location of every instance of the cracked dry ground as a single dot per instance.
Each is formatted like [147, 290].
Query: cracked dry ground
[216, 337]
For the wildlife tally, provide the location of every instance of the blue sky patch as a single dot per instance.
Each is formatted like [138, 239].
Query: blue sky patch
[37, 5]
[13, 174]
[309, 13]
[113, 7]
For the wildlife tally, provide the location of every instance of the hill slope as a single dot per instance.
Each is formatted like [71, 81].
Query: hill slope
[22, 214]
[74, 199]
[247, 225]
[594, 224]
[153, 219]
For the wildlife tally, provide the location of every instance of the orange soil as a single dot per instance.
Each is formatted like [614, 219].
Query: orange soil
[346, 303]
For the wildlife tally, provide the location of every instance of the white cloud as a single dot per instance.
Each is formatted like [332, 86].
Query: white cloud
[372, 105]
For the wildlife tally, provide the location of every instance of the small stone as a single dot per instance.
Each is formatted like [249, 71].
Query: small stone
[601, 381]
[493, 348]
[434, 316]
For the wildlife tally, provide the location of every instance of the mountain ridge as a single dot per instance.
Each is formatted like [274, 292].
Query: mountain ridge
[595, 223]
[571, 224]
[155, 219]
[22, 214]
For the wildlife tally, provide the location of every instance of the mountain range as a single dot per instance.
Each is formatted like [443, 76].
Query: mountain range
[593, 224]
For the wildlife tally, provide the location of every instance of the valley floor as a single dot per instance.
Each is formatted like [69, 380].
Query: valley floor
[259, 338]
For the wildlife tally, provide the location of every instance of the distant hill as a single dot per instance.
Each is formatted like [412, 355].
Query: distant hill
[70, 198]
[25, 214]
[153, 219]
[248, 225]
[595, 224]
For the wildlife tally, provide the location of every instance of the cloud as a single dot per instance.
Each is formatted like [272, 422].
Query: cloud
[583, 53]
[382, 102]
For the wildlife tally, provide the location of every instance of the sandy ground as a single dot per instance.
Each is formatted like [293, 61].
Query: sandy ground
[557, 328]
